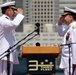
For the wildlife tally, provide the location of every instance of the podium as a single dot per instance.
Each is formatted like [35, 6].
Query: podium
[40, 59]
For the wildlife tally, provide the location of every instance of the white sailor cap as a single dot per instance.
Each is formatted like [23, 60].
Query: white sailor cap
[9, 4]
[68, 11]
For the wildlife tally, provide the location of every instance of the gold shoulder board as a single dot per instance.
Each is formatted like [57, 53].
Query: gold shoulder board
[74, 26]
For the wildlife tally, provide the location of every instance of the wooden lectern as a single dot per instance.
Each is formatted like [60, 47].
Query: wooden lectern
[40, 52]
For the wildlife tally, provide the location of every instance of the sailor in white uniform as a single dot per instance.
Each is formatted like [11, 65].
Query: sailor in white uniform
[69, 34]
[8, 24]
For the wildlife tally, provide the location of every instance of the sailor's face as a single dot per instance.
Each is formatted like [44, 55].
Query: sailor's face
[68, 19]
[10, 13]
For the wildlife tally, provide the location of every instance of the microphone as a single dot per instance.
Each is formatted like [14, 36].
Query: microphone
[37, 28]
[37, 44]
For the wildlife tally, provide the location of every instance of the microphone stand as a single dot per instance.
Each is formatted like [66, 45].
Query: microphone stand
[18, 42]
[8, 62]
[69, 60]
[8, 51]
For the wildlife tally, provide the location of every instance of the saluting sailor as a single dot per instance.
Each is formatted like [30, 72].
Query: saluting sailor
[69, 36]
[9, 21]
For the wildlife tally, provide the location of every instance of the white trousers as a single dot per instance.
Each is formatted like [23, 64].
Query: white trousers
[66, 71]
[74, 72]
[3, 67]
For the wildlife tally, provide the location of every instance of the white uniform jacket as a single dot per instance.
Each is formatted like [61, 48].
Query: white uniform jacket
[7, 26]
[65, 51]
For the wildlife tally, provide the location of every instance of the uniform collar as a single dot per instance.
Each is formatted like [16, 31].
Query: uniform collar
[6, 17]
[73, 23]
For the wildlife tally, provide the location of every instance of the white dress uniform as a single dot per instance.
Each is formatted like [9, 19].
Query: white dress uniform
[6, 34]
[7, 40]
[73, 46]
[64, 64]
[71, 29]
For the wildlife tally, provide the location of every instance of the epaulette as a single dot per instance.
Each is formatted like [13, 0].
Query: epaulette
[74, 26]
[7, 17]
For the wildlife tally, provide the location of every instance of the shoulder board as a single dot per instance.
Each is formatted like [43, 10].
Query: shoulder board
[74, 26]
